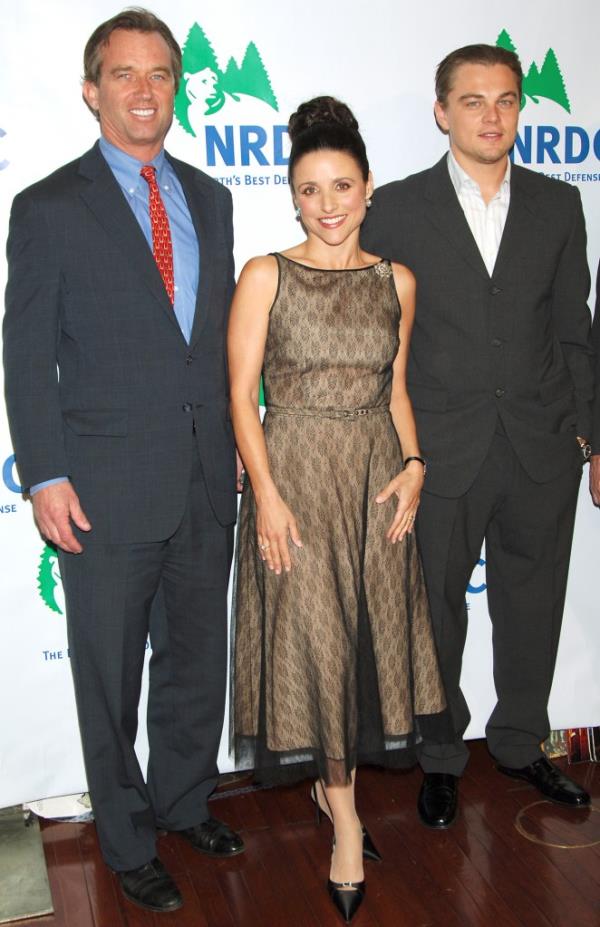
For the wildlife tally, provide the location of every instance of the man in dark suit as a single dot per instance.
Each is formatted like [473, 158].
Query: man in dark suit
[595, 458]
[501, 382]
[120, 278]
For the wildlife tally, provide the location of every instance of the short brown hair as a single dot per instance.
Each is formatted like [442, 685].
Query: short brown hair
[474, 54]
[132, 19]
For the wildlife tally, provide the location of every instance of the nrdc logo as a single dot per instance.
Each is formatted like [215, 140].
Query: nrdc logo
[49, 580]
[9, 476]
[3, 162]
[474, 587]
[550, 144]
[211, 100]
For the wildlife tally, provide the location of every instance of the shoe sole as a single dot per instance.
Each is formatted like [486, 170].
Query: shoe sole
[439, 826]
[217, 855]
[555, 801]
[151, 907]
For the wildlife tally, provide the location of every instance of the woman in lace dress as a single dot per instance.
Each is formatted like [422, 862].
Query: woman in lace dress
[334, 662]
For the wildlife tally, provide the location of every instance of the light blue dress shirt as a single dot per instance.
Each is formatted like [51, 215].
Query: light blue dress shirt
[186, 253]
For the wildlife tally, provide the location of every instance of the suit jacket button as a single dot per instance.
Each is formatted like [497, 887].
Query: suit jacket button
[189, 359]
[499, 392]
[495, 290]
[187, 407]
[496, 343]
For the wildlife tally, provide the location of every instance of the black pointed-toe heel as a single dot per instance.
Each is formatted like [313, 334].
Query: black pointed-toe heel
[347, 897]
[370, 851]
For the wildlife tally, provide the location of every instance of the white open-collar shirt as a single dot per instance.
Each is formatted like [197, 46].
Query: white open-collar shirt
[485, 221]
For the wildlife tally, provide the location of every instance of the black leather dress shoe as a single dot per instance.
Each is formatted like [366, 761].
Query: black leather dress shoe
[151, 887]
[214, 838]
[438, 800]
[551, 782]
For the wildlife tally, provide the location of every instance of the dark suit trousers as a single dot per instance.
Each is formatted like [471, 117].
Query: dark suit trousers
[112, 605]
[527, 528]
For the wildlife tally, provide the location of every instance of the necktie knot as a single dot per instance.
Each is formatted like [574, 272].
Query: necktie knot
[148, 173]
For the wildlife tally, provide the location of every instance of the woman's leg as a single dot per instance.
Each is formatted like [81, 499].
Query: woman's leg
[347, 856]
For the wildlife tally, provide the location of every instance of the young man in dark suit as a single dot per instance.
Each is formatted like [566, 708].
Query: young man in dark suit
[595, 458]
[501, 381]
[120, 279]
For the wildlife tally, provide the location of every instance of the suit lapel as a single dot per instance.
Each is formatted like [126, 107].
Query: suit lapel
[517, 230]
[200, 198]
[446, 214]
[106, 200]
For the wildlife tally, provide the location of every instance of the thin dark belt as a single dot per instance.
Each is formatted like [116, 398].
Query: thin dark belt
[329, 413]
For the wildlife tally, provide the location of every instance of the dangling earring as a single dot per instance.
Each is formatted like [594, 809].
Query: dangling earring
[298, 214]
[368, 202]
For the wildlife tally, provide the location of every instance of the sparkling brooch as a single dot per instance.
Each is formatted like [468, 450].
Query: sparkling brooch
[383, 269]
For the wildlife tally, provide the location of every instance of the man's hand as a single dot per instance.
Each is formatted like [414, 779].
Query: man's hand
[595, 478]
[54, 507]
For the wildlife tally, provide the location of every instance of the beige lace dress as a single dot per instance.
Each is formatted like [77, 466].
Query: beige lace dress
[333, 664]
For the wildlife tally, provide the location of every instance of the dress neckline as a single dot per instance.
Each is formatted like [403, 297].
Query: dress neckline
[332, 270]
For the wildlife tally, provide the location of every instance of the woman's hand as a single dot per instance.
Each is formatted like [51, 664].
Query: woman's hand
[275, 524]
[407, 487]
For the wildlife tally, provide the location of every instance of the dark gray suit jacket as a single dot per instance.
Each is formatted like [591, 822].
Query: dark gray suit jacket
[516, 344]
[84, 296]
[596, 339]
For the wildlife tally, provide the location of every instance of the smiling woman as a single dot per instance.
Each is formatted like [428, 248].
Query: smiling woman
[330, 194]
[334, 661]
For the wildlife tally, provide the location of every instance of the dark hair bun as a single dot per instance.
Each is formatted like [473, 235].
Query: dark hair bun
[320, 111]
[322, 124]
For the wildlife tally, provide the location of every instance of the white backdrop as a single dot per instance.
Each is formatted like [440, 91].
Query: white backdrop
[380, 58]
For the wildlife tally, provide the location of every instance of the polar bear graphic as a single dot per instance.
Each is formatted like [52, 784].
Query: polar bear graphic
[209, 103]
[203, 86]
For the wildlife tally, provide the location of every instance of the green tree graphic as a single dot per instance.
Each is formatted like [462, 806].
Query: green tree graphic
[253, 78]
[505, 41]
[547, 82]
[232, 77]
[48, 577]
[197, 54]
[215, 85]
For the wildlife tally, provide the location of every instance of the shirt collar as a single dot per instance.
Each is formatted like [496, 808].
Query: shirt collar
[461, 181]
[126, 168]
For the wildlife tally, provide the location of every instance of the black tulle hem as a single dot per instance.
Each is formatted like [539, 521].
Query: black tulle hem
[286, 767]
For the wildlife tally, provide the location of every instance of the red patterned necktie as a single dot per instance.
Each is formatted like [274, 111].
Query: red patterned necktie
[162, 247]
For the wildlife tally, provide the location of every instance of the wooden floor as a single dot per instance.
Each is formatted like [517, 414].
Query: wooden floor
[484, 872]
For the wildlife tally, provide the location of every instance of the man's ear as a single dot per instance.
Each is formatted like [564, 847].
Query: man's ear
[440, 117]
[89, 91]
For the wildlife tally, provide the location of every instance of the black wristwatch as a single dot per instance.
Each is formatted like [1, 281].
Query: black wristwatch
[586, 449]
[420, 460]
